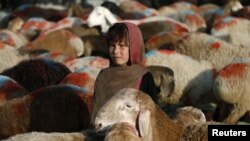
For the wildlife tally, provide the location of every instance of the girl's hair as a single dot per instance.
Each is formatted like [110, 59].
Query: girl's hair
[117, 32]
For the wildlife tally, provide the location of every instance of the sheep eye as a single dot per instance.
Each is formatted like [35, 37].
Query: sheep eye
[128, 105]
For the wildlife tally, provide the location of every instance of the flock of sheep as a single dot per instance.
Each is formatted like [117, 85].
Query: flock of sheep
[50, 57]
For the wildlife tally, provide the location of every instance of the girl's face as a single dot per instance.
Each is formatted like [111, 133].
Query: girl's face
[119, 53]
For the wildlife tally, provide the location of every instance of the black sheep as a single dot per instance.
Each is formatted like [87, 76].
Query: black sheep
[37, 73]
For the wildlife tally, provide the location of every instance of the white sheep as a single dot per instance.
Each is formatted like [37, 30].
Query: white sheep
[87, 61]
[138, 109]
[42, 136]
[193, 79]
[10, 57]
[101, 16]
[233, 30]
[232, 86]
[202, 46]
[13, 38]
[135, 6]
[85, 135]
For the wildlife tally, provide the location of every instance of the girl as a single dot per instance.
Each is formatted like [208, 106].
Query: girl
[126, 49]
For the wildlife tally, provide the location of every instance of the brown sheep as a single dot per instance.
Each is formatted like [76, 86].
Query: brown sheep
[62, 41]
[37, 73]
[60, 108]
[137, 108]
[122, 132]
[188, 115]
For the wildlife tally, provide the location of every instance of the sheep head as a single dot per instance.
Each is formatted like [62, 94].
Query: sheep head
[128, 105]
[101, 16]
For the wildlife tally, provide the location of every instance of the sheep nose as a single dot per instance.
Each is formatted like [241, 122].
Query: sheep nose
[98, 126]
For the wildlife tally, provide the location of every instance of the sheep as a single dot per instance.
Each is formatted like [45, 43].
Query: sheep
[89, 61]
[202, 46]
[193, 79]
[161, 26]
[65, 23]
[49, 14]
[58, 108]
[137, 108]
[232, 86]
[101, 16]
[135, 6]
[15, 24]
[84, 77]
[37, 73]
[185, 13]
[80, 11]
[85, 135]
[193, 20]
[12, 38]
[233, 30]
[10, 89]
[163, 40]
[62, 41]
[55, 56]
[122, 132]
[34, 26]
[95, 45]
[244, 12]
[115, 9]
[197, 131]
[188, 115]
[83, 30]
[42, 136]
[164, 80]
[10, 57]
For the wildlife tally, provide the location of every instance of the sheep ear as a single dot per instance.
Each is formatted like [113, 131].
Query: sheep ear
[144, 123]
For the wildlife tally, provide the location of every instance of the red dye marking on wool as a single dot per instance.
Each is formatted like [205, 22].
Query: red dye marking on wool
[180, 28]
[99, 62]
[78, 79]
[8, 40]
[9, 87]
[35, 24]
[55, 54]
[195, 19]
[219, 25]
[233, 70]
[215, 45]
[2, 45]
[70, 62]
